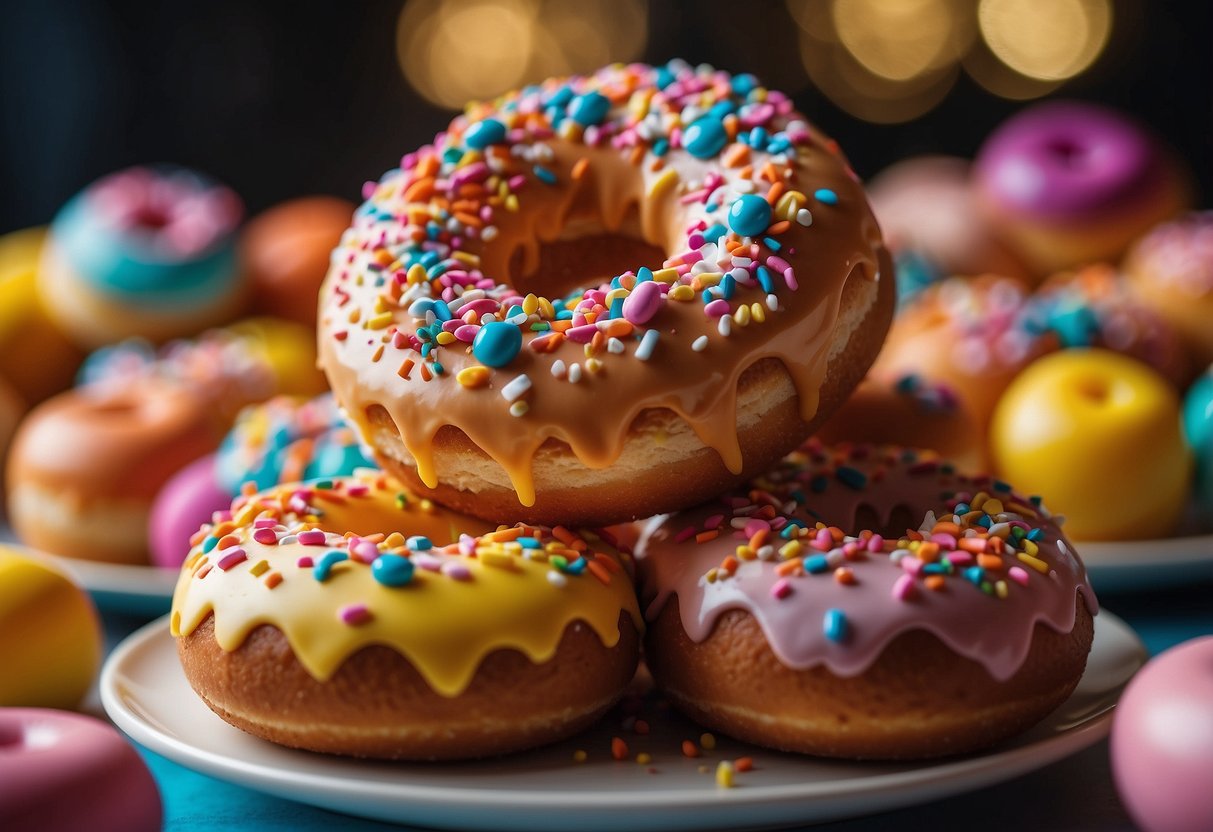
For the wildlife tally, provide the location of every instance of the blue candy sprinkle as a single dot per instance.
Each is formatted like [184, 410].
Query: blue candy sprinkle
[826, 196]
[835, 625]
[326, 563]
[705, 137]
[589, 108]
[975, 575]
[743, 84]
[545, 175]
[209, 543]
[497, 343]
[643, 274]
[419, 543]
[392, 570]
[661, 147]
[484, 133]
[529, 543]
[851, 477]
[749, 215]
[816, 564]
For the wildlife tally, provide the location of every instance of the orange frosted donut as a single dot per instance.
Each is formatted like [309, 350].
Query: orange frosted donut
[605, 297]
[362, 619]
[795, 613]
[85, 465]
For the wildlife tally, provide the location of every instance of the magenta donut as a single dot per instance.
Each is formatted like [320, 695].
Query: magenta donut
[1068, 183]
[63, 772]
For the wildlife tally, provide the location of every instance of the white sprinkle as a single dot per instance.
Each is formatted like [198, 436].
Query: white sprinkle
[574, 373]
[766, 552]
[772, 303]
[700, 344]
[804, 217]
[517, 320]
[489, 232]
[516, 388]
[648, 342]
[466, 298]
[557, 579]
[724, 325]
[741, 262]
[1061, 547]
[615, 346]
[558, 368]
[519, 408]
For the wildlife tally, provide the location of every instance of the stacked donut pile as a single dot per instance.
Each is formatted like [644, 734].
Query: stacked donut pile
[588, 302]
[1054, 312]
[140, 294]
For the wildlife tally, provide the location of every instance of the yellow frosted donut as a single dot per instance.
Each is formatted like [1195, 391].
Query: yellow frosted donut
[355, 617]
[50, 639]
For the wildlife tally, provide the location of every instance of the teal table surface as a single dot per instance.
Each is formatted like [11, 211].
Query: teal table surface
[1073, 794]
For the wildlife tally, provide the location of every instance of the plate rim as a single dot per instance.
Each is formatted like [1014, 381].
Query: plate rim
[906, 787]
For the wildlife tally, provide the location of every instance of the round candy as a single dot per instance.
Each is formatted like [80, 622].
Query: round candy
[1162, 741]
[50, 640]
[705, 137]
[590, 108]
[497, 343]
[187, 501]
[484, 133]
[63, 772]
[750, 215]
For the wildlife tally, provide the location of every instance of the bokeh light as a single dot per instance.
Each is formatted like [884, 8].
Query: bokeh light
[902, 39]
[454, 51]
[1050, 40]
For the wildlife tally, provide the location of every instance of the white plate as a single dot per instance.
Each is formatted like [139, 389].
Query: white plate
[146, 694]
[1127, 565]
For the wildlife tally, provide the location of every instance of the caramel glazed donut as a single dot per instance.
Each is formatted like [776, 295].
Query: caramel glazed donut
[770, 625]
[451, 334]
[354, 617]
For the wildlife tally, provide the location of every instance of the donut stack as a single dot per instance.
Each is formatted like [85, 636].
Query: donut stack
[588, 302]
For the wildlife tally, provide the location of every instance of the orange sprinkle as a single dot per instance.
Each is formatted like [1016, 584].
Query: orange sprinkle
[200, 535]
[736, 155]
[776, 191]
[789, 567]
[844, 576]
[704, 537]
[425, 372]
[730, 564]
[599, 572]
[770, 174]
[428, 165]
[619, 328]
[976, 545]
[405, 368]
[580, 167]
[563, 535]
[945, 527]
[637, 155]
[204, 571]
[928, 552]
[619, 748]
[689, 749]
[990, 562]
[747, 172]
[504, 535]
[743, 764]
[759, 538]
[779, 227]
[419, 191]
[273, 579]
[469, 219]
[935, 582]
[227, 541]
[608, 563]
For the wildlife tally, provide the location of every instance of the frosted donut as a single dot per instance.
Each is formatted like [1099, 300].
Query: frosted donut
[1171, 271]
[85, 465]
[966, 629]
[926, 209]
[362, 619]
[288, 440]
[50, 637]
[146, 252]
[62, 772]
[35, 357]
[285, 253]
[604, 297]
[1069, 183]
[189, 499]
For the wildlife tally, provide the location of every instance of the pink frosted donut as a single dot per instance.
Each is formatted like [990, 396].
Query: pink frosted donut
[188, 500]
[793, 613]
[1068, 183]
[64, 772]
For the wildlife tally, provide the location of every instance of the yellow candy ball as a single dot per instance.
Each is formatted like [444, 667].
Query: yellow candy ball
[1097, 435]
[50, 637]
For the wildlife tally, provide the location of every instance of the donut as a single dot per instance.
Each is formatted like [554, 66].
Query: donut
[603, 297]
[778, 616]
[1067, 183]
[930, 221]
[50, 636]
[909, 412]
[189, 499]
[36, 358]
[144, 252]
[12, 408]
[288, 439]
[300, 622]
[1162, 740]
[85, 465]
[285, 251]
[62, 772]
[1170, 270]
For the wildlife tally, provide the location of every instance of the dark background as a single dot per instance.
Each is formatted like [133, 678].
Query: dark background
[280, 99]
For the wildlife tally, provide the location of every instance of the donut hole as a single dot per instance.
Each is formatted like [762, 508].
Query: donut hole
[1094, 390]
[1066, 152]
[899, 519]
[585, 254]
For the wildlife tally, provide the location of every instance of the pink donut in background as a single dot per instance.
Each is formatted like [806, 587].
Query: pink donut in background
[1068, 183]
[1162, 741]
[187, 501]
[64, 772]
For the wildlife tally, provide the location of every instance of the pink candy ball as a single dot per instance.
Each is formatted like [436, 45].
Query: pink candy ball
[1162, 741]
[186, 502]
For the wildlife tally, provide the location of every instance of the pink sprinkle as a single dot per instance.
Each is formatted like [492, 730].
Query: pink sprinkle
[305, 562]
[364, 551]
[264, 523]
[1018, 574]
[582, 334]
[355, 614]
[943, 539]
[875, 543]
[685, 535]
[781, 589]
[823, 540]
[358, 490]
[959, 558]
[717, 308]
[312, 537]
[756, 525]
[233, 557]
[265, 536]
[903, 588]
[457, 571]
[912, 565]
[713, 522]
[429, 563]
[643, 302]
[467, 333]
